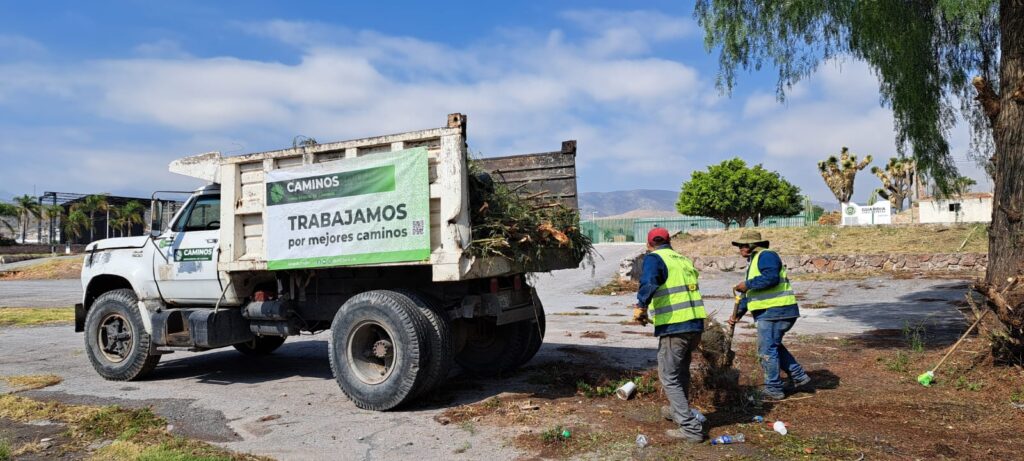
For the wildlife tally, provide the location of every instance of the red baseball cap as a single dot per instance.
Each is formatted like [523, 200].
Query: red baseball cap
[657, 232]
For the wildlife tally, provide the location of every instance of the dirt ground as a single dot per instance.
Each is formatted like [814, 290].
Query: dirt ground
[835, 240]
[865, 404]
[52, 269]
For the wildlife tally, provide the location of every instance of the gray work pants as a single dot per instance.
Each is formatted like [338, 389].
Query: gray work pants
[674, 353]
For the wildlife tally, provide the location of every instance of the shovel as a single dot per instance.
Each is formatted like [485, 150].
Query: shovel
[926, 378]
[731, 355]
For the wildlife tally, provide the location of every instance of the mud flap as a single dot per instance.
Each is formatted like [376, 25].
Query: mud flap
[79, 318]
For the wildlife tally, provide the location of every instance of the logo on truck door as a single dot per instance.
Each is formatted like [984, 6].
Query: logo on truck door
[193, 254]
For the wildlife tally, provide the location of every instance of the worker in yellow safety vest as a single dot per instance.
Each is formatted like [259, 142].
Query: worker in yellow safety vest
[669, 297]
[769, 297]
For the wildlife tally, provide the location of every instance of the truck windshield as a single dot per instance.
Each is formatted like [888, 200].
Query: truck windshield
[202, 214]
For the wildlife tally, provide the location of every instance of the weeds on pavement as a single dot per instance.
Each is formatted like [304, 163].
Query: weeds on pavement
[914, 334]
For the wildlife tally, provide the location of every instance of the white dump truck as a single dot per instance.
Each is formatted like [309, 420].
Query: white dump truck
[365, 239]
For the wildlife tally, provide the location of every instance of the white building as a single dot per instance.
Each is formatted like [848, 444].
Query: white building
[972, 207]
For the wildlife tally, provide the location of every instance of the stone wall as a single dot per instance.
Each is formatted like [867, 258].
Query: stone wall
[940, 262]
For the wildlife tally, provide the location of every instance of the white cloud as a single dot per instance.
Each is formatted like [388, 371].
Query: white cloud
[628, 32]
[641, 120]
[163, 48]
[524, 90]
[17, 46]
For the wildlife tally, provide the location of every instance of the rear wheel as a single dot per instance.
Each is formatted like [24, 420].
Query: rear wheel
[116, 339]
[534, 331]
[260, 345]
[439, 340]
[379, 349]
[490, 349]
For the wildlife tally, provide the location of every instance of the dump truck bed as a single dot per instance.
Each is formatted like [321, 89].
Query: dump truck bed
[243, 181]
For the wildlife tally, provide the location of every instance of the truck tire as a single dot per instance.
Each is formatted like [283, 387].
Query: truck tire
[379, 349]
[535, 330]
[490, 349]
[260, 345]
[116, 339]
[439, 340]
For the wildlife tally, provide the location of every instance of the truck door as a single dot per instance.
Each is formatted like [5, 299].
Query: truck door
[186, 267]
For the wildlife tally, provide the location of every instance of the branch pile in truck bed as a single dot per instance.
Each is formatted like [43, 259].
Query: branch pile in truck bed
[521, 227]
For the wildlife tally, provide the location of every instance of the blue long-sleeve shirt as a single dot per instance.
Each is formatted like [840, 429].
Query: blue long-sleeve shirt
[769, 264]
[654, 275]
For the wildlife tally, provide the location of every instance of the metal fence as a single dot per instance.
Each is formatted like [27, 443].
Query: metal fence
[635, 229]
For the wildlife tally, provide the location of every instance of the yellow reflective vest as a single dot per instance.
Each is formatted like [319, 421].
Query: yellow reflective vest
[678, 299]
[777, 296]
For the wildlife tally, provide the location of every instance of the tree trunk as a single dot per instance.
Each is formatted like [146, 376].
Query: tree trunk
[1002, 285]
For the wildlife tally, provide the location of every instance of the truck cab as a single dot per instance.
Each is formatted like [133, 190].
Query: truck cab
[186, 263]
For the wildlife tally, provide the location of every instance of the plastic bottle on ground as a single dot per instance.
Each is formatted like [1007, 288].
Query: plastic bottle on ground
[727, 439]
[700, 416]
[780, 427]
[758, 419]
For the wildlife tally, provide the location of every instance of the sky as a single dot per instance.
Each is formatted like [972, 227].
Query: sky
[101, 96]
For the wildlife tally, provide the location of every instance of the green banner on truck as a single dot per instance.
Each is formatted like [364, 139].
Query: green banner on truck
[364, 210]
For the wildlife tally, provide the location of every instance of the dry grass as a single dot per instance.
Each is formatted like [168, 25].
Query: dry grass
[831, 240]
[617, 286]
[28, 316]
[29, 382]
[137, 433]
[65, 268]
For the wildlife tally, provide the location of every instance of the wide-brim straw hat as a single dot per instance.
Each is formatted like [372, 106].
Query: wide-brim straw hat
[749, 237]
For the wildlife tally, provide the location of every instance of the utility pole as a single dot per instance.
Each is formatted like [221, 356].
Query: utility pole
[39, 222]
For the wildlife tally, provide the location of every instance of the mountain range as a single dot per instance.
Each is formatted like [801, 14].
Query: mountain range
[640, 203]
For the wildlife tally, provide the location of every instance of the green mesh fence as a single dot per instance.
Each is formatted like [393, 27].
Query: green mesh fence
[635, 230]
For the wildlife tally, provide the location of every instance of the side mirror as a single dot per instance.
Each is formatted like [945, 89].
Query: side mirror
[154, 233]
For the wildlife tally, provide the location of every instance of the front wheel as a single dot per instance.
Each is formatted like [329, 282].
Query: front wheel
[115, 338]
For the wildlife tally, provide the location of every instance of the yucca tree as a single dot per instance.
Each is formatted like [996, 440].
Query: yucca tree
[897, 180]
[129, 214]
[91, 204]
[26, 207]
[840, 172]
[74, 223]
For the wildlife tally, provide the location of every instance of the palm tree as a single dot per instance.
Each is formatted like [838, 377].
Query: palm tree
[91, 204]
[8, 211]
[74, 223]
[26, 207]
[129, 214]
[117, 222]
[54, 213]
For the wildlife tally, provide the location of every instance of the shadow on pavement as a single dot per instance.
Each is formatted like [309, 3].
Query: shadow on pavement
[934, 312]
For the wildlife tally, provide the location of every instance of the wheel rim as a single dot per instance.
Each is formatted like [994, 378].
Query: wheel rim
[371, 352]
[115, 337]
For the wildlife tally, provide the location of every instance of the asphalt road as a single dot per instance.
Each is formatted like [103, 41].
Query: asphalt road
[221, 396]
[40, 293]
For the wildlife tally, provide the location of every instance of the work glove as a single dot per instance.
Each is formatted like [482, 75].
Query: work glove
[640, 315]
